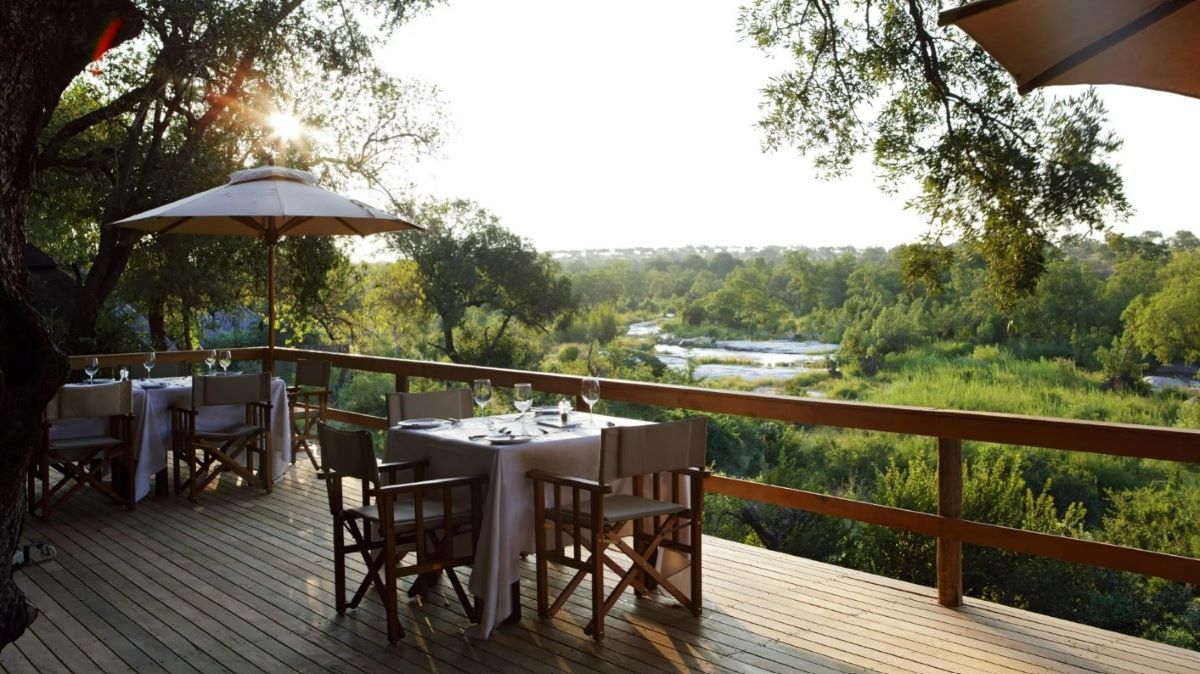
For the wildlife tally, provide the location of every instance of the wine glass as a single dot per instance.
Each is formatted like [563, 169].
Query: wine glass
[93, 366]
[148, 362]
[210, 359]
[522, 400]
[482, 393]
[591, 395]
[226, 358]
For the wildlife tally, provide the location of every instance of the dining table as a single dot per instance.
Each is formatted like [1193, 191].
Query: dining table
[461, 447]
[151, 428]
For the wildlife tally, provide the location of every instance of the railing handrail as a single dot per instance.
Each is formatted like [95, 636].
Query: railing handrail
[1147, 442]
[951, 427]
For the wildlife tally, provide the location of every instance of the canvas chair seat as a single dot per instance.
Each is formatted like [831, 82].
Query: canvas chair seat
[404, 513]
[229, 432]
[625, 507]
[75, 449]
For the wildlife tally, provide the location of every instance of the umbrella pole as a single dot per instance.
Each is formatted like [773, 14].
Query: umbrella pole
[271, 304]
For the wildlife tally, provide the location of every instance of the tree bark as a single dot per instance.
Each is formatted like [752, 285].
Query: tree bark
[44, 43]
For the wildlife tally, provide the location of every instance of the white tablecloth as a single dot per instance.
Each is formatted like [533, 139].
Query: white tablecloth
[508, 525]
[152, 425]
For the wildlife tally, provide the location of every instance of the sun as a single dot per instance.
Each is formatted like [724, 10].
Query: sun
[285, 126]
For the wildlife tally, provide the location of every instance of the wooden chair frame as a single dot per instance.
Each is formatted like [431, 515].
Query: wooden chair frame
[364, 542]
[87, 470]
[206, 460]
[434, 546]
[596, 536]
[307, 405]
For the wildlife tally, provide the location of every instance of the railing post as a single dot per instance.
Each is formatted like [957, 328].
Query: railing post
[402, 383]
[949, 547]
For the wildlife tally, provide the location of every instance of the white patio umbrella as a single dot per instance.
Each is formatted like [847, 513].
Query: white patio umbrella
[1154, 44]
[267, 203]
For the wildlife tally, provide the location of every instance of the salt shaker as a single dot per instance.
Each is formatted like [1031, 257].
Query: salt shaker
[124, 373]
[564, 410]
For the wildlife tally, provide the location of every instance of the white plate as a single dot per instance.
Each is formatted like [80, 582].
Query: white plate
[501, 439]
[417, 424]
[549, 409]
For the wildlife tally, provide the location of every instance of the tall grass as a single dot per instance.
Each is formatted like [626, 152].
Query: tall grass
[993, 379]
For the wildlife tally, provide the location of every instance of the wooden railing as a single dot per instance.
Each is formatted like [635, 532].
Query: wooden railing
[949, 427]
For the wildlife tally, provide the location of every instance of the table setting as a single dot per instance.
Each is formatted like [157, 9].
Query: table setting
[505, 447]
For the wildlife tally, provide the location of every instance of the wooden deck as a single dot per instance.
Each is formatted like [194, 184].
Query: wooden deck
[242, 582]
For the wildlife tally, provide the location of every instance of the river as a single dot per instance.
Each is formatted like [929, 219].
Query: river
[753, 360]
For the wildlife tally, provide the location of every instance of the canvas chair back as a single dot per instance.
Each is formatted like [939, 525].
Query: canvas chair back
[348, 453]
[311, 372]
[626, 451]
[179, 368]
[98, 400]
[452, 404]
[232, 390]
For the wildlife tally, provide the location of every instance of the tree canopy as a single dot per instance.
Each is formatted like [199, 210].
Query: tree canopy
[942, 122]
[192, 99]
[467, 261]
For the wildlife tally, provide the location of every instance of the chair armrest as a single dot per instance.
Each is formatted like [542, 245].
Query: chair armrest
[183, 410]
[427, 485]
[396, 466]
[565, 481]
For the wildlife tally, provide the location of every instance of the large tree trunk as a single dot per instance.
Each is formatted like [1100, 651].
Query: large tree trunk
[43, 44]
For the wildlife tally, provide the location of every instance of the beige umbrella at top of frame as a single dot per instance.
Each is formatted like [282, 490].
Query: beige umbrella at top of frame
[267, 203]
[1154, 44]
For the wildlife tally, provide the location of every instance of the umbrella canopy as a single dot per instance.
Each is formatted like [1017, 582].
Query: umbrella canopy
[268, 203]
[1154, 44]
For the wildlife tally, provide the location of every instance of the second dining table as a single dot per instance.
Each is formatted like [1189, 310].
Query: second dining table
[456, 448]
[152, 401]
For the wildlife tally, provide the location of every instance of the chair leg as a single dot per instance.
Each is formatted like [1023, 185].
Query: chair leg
[43, 510]
[598, 591]
[539, 548]
[697, 585]
[339, 567]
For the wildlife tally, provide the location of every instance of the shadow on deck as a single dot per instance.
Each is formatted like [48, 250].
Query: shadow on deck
[243, 582]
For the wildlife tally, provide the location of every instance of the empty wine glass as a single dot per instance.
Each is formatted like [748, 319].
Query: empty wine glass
[148, 362]
[210, 359]
[93, 366]
[226, 358]
[481, 391]
[591, 395]
[522, 399]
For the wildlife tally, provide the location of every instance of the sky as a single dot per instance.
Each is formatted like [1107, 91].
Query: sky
[629, 124]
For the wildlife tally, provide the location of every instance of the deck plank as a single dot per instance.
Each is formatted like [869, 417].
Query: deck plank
[243, 582]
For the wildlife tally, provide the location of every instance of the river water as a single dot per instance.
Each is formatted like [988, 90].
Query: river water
[757, 360]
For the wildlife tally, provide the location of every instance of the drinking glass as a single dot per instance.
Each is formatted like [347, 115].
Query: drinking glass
[210, 359]
[225, 359]
[148, 363]
[591, 395]
[93, 366]
[522, 399]
[481, 391]
[124, 373]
